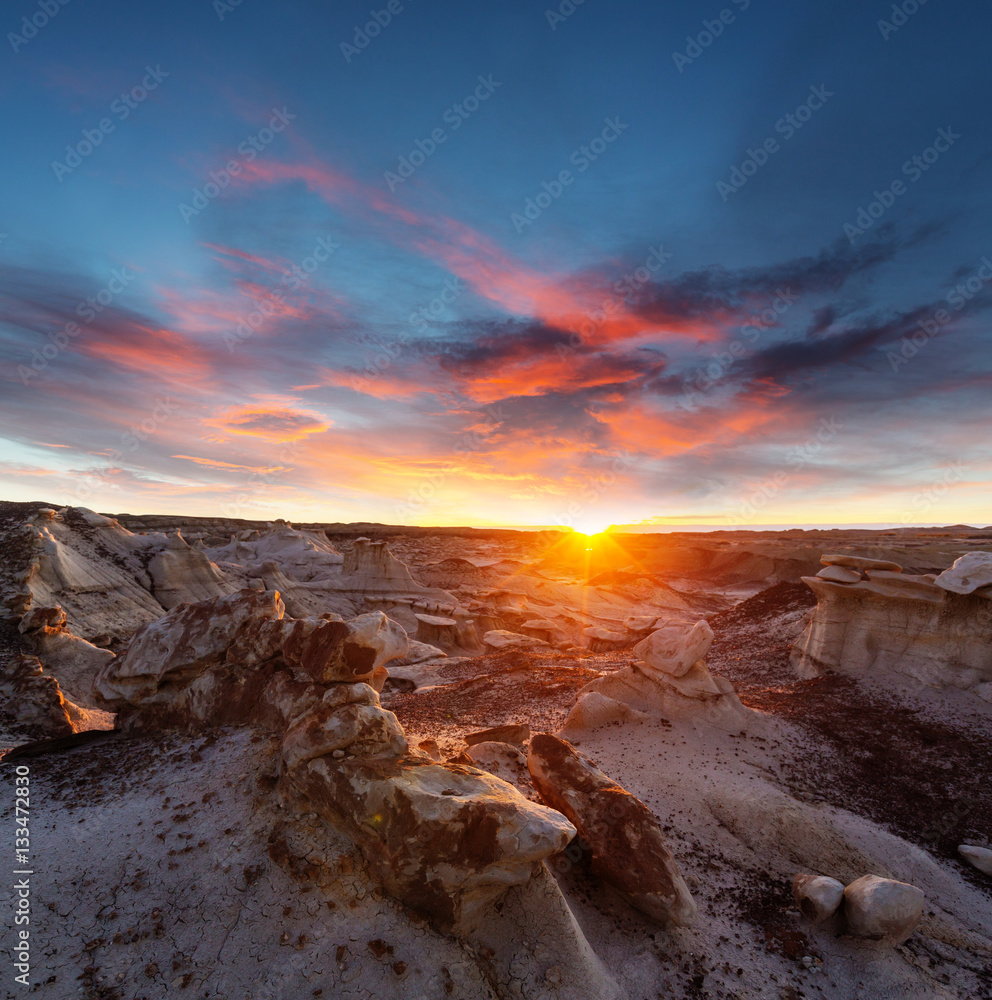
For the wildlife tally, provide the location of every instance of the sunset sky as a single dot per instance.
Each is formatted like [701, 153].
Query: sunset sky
[482, 264]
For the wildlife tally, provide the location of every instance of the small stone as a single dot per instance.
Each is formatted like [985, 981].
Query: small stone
[337, 753]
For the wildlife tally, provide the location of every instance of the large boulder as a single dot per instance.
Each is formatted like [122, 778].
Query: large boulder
[445, 839]
[626, 846]
[818, 896]
[673, 649]
[968, 574]
[882, 909]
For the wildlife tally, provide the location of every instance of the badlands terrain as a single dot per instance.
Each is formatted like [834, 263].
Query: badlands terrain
[288, 761]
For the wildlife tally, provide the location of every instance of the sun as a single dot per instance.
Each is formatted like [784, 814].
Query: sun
[590, 527]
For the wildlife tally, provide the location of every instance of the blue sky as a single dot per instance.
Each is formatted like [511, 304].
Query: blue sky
[595, 351]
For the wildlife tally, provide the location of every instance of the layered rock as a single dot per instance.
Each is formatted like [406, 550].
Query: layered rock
[604, 640]
[498, 639]
[626, 846]
[213, 663]
[181, 573]
[667, 683]
[937, 631]
[447, 840]
[72, 661]
[672, 650]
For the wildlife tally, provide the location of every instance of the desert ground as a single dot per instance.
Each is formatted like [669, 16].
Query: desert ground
[256, 770]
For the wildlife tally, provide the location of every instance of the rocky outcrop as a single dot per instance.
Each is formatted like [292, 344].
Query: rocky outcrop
[181, 573]
[893, 625]
[73, 662]
[370, 565]
[437, 630]
[218, 661]
[35, 696]
[668, 683]
[882, 909]
[626, 846]
[445, 839]
[604, 640]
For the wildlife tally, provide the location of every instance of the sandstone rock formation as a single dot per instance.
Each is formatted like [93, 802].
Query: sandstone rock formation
[882, 909]
[672, 650]
[502, 639]
[897, 625]
[604, 640]
[627, 848]
[671, 685]
[437, 631]
[818, 896]
[971, 572]
[445, 839]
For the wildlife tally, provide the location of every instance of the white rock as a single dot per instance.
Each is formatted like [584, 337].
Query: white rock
[898, 629]
[967, 574]
[502, 639]
[673, 650]
[882, 909]
[860, 562]
[980, 857]
[839, 574]
[818, 896]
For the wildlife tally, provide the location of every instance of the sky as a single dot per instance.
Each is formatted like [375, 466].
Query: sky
[677, 264]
